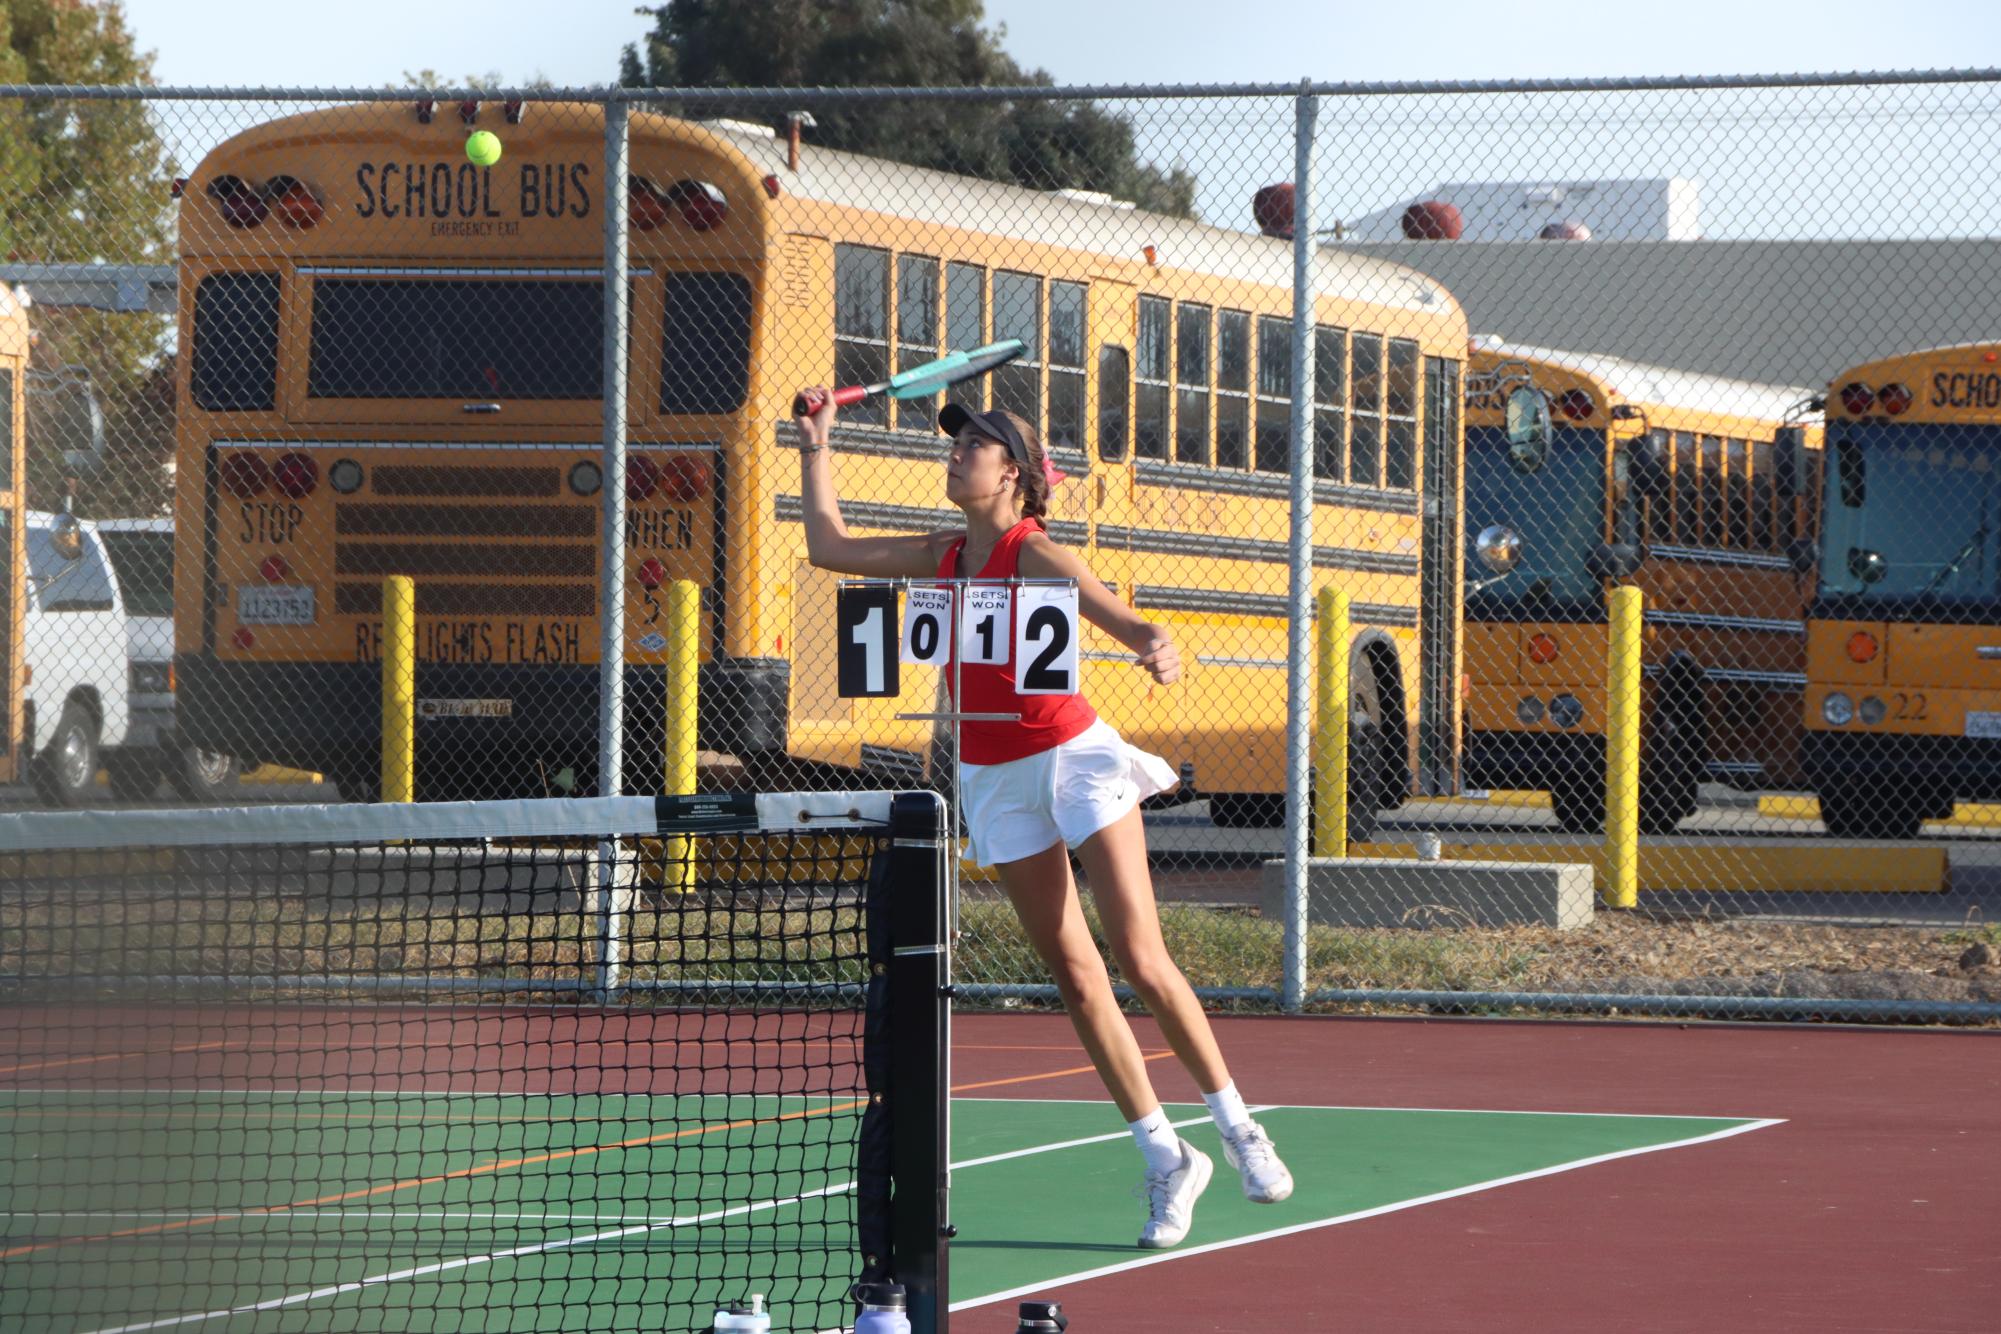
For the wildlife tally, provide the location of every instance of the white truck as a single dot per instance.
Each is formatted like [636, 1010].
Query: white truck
[75, 644]
[142, 554]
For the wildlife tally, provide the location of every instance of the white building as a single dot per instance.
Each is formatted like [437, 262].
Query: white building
[1659, 209]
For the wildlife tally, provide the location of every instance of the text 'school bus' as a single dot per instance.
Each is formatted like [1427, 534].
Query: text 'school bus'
[1903, 701]
[391, 365]
[1584, 472]
[14, 342]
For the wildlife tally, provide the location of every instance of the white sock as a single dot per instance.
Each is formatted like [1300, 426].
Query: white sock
[1157, 1140]
[1226, 1105]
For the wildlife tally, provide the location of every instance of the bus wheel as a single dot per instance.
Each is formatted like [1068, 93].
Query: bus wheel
[1246, 810]
[1855, 813]
[1579, 805]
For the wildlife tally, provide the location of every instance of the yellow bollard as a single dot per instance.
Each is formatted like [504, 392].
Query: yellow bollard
[1622, 750]
[684, 661]
[399, 688]
[1330, 732]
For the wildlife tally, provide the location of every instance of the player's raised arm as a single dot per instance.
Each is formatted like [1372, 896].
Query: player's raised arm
[829, 545]
[1152, 646]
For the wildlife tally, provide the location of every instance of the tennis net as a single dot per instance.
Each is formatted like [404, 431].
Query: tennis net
[607, 1064]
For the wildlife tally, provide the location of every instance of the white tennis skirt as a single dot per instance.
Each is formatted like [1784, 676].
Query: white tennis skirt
[1065, 795]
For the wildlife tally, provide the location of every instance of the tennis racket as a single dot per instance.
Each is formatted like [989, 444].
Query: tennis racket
[921, 381]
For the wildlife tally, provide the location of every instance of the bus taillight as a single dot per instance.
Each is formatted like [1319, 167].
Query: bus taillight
[294, 201]
[244, 475]
[702, 205]
[1542, 649]
[650, 573]
[686, 478]
[241, 206]
[1862, 647]
[1574, 404]
[642, 477]
[275, 569]
[646, 208]
[1857, 398]
[295, 475]
[1895, 398]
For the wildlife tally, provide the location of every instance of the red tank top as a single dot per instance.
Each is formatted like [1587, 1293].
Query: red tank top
[1047, 721]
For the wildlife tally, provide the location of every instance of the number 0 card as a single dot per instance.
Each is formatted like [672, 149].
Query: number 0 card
[1045, 648]
[927, 621]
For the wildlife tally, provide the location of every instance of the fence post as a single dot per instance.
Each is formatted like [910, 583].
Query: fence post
[611, 560]
[1622, 750]
[399, 688]
[1330, 737]
[684, 664]
[1299, 647]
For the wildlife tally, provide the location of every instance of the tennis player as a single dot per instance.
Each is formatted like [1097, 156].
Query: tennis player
[1057, 780]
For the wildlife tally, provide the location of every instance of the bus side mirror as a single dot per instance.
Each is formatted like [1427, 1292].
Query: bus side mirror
[66, 537]
[1866, 565]
[1615, 560]
[1647, 465]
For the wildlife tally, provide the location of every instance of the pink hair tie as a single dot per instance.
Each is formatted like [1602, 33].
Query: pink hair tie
[1051, 473]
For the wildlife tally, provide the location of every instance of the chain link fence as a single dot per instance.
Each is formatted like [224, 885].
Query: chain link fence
[1495, 352]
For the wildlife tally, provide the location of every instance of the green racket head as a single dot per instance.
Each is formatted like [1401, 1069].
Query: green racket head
[926, 380]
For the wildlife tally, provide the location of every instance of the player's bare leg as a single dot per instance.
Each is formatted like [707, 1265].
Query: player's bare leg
[1045, 900]
[1114, 861]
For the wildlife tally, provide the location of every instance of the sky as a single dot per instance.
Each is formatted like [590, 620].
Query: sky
[1901, 162]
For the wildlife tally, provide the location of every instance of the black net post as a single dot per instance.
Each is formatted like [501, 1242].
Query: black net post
[906, 1129]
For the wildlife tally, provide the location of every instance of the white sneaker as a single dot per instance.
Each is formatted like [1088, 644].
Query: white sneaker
[1171, 1196]
[1250, 1151]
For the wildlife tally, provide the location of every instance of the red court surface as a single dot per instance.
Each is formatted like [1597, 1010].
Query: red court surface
[1876, 1206]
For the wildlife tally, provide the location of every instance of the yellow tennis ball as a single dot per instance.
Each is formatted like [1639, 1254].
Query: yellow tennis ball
[483, 147]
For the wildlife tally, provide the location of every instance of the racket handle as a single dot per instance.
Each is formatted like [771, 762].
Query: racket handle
[808, 403]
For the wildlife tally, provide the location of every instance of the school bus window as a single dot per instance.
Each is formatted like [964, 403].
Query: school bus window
[1330, 379]
[705, 348]
[1274, 433]
[1233, 383]
[1739, 493]
[1150, 372]
[916, 333]
[966, 326]
[1191, 383]
[1687, 492]
[861, 325]
[236, 343]
[1114, 392]
[1713, 484]
[1400, 416]
[1018, 314]
[1365, 403]
[1066, 365]
[1762, 499]
[461, 338]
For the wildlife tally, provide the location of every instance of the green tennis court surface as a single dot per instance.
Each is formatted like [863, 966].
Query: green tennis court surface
[274, 1210]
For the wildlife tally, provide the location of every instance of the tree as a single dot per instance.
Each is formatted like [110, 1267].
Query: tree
[87, 181]
[1044, 145]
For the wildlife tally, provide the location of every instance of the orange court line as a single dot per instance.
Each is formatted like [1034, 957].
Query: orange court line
[485, 1169]
[111, 1056]
[391, 1187]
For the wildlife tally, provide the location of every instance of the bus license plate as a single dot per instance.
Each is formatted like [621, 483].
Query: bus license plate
[1983, 724]
[282, 605]
[465, 708]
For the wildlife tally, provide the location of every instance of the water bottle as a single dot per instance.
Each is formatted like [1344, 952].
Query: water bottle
[884, 1309]
[744, 1317]
[1041, 1318]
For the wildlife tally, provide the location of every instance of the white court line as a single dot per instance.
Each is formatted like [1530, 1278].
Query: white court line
[346, 1215]
[1400, 1205]
[1456, 1111]
[468, 1262]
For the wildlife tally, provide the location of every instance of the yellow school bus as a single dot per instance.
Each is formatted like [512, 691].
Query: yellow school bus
[1903, 701]
[14, 342]
[391, 365]
[1583, 472]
